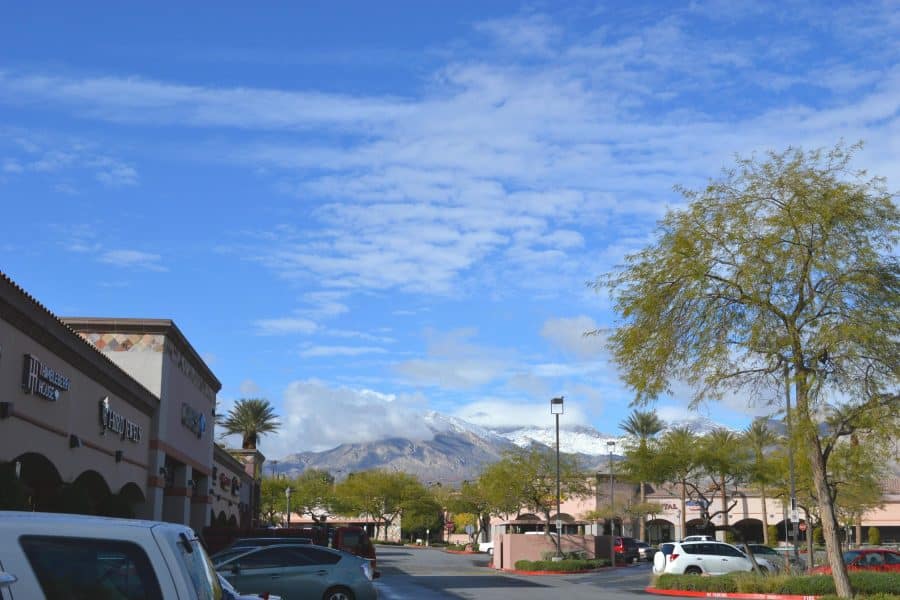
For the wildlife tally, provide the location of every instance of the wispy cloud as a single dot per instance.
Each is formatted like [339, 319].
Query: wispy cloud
[321, 351]
[285, 326]
[133, 259]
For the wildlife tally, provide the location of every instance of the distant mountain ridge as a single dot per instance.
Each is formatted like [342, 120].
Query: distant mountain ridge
[459, 450]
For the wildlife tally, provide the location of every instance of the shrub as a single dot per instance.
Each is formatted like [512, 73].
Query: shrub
[874, 536]
[773, 535]
[818, 536]
[884, 586]
[563, 566]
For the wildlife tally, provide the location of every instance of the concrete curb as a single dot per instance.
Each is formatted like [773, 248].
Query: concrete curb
[735, 595]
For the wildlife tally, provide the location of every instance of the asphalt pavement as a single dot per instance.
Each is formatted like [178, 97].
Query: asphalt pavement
[409, 573]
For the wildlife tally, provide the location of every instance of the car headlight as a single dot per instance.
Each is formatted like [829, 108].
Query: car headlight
[367, 570]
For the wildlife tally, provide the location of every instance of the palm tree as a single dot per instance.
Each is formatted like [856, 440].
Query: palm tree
[643, 425]
[251, 417]
[759, 437]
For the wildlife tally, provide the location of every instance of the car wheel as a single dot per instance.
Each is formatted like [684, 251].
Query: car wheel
[692, 570]
[338, 593]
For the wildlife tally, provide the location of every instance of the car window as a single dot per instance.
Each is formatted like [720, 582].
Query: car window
[68, 567]
[726, 550]
[874, 559]
[268, 558]
[667, 548]
[849, 557]
[892, 558]
[758, 549]
[692, 549]
[317, 556]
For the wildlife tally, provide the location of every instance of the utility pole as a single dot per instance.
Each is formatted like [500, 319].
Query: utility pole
[610, 445]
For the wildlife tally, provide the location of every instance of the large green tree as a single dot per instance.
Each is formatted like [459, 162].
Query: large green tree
[642, 428]
[250, 418]
[313, 494]
[527, 478]
[786, 262]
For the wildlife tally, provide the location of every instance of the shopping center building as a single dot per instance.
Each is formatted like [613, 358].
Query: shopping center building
[111, 416]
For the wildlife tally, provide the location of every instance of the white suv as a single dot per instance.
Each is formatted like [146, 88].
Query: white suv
[704, 558]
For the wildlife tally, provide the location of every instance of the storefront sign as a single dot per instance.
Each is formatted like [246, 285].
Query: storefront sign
[42, 380]
[193, 419]
[110, 420]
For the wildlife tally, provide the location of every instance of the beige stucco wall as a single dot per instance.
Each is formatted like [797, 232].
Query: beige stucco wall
[44, 426]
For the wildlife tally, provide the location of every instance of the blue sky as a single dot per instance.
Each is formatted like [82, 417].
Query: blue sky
[362, 210]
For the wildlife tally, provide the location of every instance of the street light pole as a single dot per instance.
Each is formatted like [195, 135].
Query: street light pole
[287, 495]
[556, 408]
[793, 484]
[610, 445]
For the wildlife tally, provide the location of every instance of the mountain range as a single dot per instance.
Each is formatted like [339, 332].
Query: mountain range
[459, 450]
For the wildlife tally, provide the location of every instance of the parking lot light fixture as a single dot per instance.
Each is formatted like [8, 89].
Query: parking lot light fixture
[557, 408]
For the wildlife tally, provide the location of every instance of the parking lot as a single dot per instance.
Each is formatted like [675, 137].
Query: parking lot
[425, 573]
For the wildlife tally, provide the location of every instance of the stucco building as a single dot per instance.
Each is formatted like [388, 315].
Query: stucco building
[112, 416]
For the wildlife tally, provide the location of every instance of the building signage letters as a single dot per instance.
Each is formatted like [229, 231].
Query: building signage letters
[41, 380]
[670, 506]
[110, 420]
[193, 419]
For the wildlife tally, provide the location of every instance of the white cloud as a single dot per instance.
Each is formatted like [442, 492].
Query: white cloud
[506, 413]
[569, 334]
[318, 416]
[285, 326]
[133, 259]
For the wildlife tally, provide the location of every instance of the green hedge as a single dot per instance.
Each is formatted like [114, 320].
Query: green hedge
[807, 585]
[563, 566]
[864, 597]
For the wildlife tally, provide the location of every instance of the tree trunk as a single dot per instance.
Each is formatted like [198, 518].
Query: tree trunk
[765, 515]
[826, 506]
[643, 526]
[683, 515]
[724, 507]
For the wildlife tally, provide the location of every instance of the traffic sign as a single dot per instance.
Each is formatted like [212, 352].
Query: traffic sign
[795, 516]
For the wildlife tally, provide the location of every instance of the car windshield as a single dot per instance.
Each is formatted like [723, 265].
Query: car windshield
[849, 557]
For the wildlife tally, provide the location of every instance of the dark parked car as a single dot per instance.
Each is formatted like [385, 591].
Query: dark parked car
[626, 548]
[646, 551]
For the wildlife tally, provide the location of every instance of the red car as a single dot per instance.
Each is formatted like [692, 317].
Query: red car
[875, 559]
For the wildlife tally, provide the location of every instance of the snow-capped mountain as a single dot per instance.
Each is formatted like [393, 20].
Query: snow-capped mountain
[459, 450]
[577, 439]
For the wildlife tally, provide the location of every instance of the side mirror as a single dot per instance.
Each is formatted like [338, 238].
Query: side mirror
[235, 569]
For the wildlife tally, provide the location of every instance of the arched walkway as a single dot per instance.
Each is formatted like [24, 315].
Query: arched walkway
[751, 531]
[41, 480]
[660, 531]
[699, 527]
[785, 536]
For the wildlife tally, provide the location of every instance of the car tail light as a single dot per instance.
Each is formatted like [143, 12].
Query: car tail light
[673, 556]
